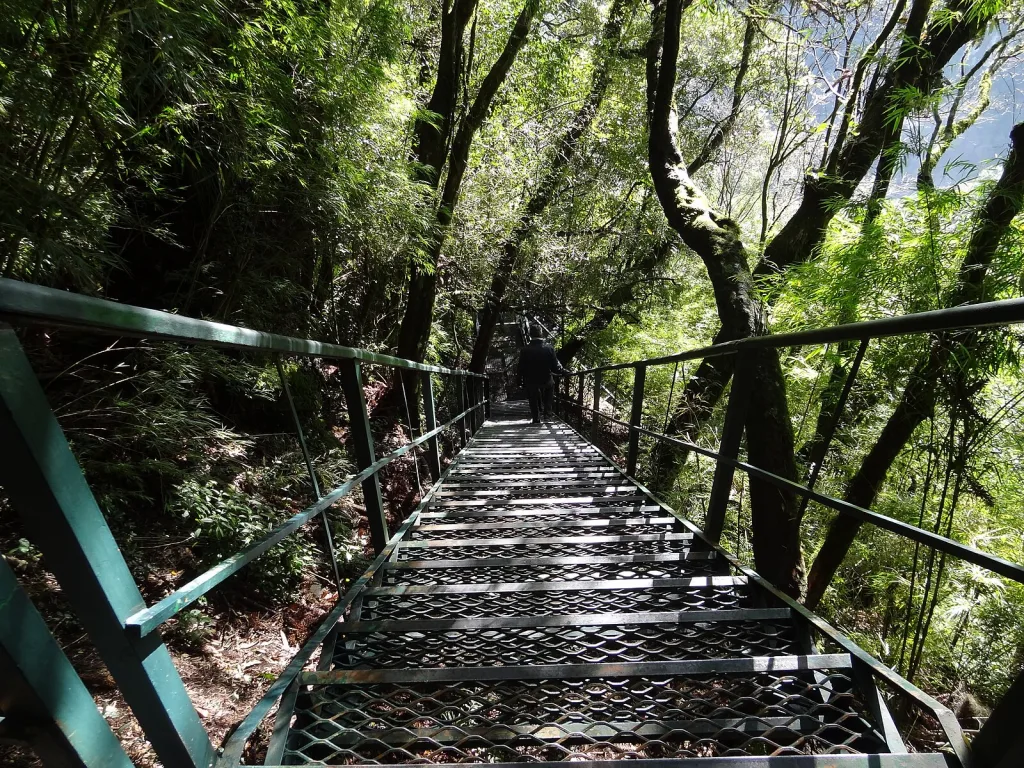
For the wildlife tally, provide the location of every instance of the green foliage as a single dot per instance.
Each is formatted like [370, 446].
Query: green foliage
[192, 628]
[226, 520]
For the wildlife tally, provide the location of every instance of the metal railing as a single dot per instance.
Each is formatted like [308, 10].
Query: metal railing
[727, 457]
[45, 484]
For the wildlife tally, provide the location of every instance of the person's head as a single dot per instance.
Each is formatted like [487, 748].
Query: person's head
[536, 332]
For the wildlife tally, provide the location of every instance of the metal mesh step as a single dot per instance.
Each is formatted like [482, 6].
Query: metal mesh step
[558, 569]
[564, 644]
[545, 610]
[635, 717]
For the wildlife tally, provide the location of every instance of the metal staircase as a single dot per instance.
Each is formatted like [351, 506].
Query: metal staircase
[538, 606]
[542, 607]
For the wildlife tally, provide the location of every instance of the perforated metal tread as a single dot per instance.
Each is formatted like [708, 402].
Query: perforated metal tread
[520, 620]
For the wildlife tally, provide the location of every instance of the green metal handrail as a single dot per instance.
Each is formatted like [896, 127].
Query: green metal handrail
[24, 304]
[148, 620]
[231, 754]
[997, 313]
[992, 313]
[45, 483]
[943, 715]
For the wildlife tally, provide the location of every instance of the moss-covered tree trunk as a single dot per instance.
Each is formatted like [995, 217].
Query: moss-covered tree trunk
[928, 44]
[715, 239]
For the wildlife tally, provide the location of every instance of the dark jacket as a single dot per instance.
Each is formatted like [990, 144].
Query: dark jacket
[537, 362]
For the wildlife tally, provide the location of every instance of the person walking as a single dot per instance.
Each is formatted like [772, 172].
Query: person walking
[537, 365]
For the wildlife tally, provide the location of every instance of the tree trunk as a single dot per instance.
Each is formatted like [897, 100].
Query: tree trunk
[430, 135]
[715, 239]
[566, 150]
[919, 397]
[889, 158]
[919, 65]
[417, 322]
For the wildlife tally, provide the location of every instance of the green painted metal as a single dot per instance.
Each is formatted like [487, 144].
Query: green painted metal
[470, 395]
[362, 444]
[993, 563]
[46, 485]
[43, 694]
[749, 664]
[871, 696]
[412, 433]
[480, 400]
[38, 468]
[47, 488]
[1001, 741]
[471, 400]
[944, 716]
[947, 720]
[579, 401]
[635, 416]
[460, 399]
[929, 760]
[430, 417]
[34, 304]
[1007, 312]
[147, 620]
[282, 722]
[231, 754]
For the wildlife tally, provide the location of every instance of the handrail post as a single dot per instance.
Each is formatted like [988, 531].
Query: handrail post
[430, 418]
[328, 538]
[1000, 735]
[635, 416]
[471, 391]
[478, 416]
[729, 448]
[570, 409]
[594, 426]
[460, 395]
[579, 403]
[487, 397]
[45, 484]
[43, 691]
[362, 443]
